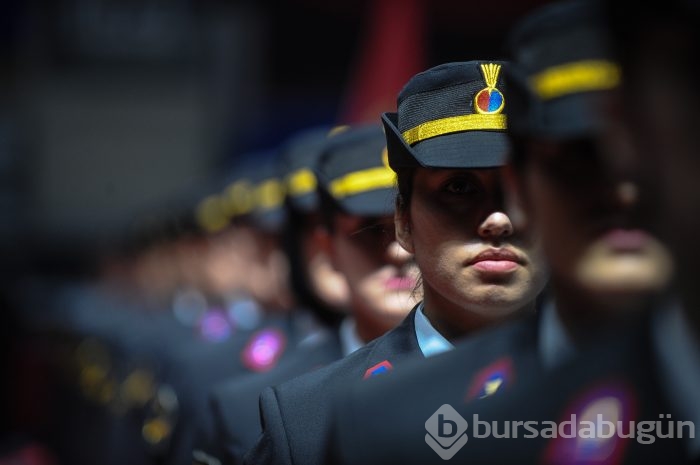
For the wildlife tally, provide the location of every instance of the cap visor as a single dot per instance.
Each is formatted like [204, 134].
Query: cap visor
[377, 202]
[270, 220]
[469, 149]
[305, 203]
[572, 116]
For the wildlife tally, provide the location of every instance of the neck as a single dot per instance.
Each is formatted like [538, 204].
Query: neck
[370, 326]
[585, 316]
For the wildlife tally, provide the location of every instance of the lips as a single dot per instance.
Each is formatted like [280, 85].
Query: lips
[626, 239]
[399, 283]
[496, 261]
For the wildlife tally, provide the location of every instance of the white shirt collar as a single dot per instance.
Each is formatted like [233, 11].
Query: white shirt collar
[349, 340]
[678, 351]
[554, 344]
[430, 341]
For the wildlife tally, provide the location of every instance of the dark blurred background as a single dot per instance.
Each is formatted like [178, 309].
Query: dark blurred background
[107, 105]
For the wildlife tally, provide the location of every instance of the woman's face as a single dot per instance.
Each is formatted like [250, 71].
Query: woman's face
[470, 256]
[382, 277]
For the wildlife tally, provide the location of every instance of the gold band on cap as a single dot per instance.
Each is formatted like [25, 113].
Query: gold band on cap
[238, 199]
[358, 182]
[301, 182]
[269, 194]
[439, 127]
[579, 76]
[210, 214]
[335, 130]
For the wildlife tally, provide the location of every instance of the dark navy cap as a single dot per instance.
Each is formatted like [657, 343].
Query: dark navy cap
[268, 210]
[562, 67]
[450, 116]
[168, 219]
[300, 155]
[253, 192]
[233, 199]
[354, 171]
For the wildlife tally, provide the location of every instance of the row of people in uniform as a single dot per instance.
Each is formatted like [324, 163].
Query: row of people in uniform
[122, 357]
[501, 224]
[245, 280]
[572, 207]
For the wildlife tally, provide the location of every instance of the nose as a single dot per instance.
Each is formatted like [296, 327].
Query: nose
[496, 225]
[626, 194]
[397, 254]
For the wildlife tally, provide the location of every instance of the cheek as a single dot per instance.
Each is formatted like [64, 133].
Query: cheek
[433, 224]
[436, 255]
[348, 261]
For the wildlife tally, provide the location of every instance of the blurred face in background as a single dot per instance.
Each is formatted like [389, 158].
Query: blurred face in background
[381, 275]
[662, 99]
[248, 261]
[476, 267]
[587, 216]
[230, 253]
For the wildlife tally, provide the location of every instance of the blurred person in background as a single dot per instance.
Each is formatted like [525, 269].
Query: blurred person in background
[658, 47]
[253, 320]
[319, 289]
[128, 371]
[355, 186]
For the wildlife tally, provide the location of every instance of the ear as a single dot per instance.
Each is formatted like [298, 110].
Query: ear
[322, 238]
[402, 224]
[327, 282]
[516, 203]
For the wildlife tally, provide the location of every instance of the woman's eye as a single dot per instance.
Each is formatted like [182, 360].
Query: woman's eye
[460, 186]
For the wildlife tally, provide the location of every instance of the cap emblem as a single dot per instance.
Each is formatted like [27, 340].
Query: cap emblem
[489, 100]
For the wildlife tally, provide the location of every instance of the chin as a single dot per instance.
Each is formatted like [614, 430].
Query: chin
[625, 275]
[499, 306]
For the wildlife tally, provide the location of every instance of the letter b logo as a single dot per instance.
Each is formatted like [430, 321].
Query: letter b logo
[446, 432]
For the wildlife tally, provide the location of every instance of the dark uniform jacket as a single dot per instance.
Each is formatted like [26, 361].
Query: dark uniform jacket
[233, 404]
[386, 420]
[130, 385]
[295, 415]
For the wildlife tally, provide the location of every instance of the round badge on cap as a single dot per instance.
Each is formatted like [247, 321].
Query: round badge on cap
[489, 100]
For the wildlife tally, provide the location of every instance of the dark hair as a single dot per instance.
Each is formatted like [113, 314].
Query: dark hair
[404, 181]
[404, 185]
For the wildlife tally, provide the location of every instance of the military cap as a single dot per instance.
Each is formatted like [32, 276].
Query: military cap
[450, 116]
[229, 199]
[268, 211]
[299, 157]
[253, 191]
[354, 171]
[165, 219]
[562, 64]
